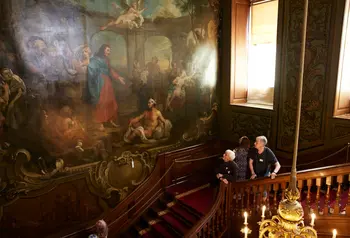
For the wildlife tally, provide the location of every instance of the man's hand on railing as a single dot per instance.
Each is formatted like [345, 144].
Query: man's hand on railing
[253, 176]
[273, 175]
[224, 180]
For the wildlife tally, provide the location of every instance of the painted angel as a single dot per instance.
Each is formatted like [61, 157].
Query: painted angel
[129, 15]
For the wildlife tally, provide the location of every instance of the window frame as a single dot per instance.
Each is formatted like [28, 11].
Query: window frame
[240, 12]
[339, 111]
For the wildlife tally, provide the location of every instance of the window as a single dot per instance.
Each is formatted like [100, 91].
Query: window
[342, 100]
[253, 51]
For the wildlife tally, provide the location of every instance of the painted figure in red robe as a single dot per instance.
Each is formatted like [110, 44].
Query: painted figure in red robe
[99, 91]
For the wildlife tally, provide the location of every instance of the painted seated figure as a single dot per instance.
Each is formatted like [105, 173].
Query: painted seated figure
[15, 98]
[149, 127]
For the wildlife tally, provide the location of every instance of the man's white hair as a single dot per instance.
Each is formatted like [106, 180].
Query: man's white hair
[263, 139]
[230, 154]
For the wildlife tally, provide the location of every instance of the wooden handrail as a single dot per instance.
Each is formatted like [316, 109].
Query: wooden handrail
[322, 172]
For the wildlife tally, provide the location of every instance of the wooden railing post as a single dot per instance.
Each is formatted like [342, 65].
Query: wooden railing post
[308, 196]
[241, 191]
[275, 190]
[283, 187]
[254, 198]
[326, 204]
[300, 186]
[318, 185]
[248, 198]
[337, 200]
[229, 208]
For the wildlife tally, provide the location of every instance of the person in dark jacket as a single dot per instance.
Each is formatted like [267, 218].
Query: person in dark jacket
[227, 171]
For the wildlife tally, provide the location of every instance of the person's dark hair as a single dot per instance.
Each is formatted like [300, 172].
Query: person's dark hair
[32, 39]
[101, 51]
[243, 140]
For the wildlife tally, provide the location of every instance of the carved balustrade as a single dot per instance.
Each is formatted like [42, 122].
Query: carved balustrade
[215, 223]
[324, 192]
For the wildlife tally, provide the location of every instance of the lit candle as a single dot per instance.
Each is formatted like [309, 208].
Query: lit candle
[334, 233]
[245, 218]
[245, 232]
[132, 164]
[263, 211]
[313, 216]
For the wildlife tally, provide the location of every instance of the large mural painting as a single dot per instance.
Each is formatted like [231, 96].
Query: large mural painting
[102, 86]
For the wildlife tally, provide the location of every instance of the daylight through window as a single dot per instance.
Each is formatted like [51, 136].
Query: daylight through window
[342, 102]
[253, 58]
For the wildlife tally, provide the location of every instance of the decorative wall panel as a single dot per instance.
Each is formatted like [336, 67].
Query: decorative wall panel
[316, 68]
[250, 125]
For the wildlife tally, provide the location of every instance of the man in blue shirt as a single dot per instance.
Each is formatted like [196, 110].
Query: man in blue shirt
[261, 159]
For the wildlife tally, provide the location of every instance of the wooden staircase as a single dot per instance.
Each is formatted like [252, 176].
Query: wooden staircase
[175, 167]
[155, 208]
[174, 214]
